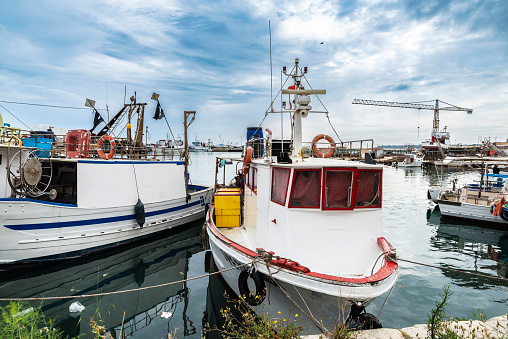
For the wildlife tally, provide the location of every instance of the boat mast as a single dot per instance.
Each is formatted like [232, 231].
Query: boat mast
[302, 107]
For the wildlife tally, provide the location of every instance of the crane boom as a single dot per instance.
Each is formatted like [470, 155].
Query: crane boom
[434, 108]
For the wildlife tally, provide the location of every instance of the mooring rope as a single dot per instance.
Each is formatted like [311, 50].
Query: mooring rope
[123, 291]
[229, 269]
[454, 270]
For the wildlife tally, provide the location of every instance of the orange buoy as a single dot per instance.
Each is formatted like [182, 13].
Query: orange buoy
[112, 151]
[327, 138]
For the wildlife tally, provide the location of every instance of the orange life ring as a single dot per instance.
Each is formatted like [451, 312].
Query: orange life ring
[112, 150]
[247, 159]
[327, 138]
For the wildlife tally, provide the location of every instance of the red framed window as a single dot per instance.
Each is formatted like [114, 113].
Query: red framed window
[280, 182]
[368, 190]
[305, 189]
[338, 188]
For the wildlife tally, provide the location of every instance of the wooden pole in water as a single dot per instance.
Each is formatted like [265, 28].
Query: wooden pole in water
[186, 124]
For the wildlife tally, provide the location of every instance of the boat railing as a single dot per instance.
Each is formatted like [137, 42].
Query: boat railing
[55, 146]
[352, 150]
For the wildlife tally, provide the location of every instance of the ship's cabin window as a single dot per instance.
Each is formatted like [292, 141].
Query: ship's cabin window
[338, 188]
[252, 179]
[368, 191]
[280, 182]
[306, 188]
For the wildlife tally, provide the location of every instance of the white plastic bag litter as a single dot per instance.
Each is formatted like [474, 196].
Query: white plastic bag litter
[76, 308]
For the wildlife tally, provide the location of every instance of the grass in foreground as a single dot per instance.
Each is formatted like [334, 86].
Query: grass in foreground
[20, 320]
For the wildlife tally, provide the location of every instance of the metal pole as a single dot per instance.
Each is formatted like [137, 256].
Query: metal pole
[186, 125]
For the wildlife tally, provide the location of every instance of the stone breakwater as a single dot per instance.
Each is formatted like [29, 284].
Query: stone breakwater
[496, 327]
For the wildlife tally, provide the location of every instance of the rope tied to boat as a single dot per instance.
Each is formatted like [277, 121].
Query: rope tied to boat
[265, 258]
[125, 291]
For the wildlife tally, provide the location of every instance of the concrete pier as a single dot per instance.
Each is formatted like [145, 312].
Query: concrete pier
[496, 327]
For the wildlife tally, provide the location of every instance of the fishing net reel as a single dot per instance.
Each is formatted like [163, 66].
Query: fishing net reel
[30, 176]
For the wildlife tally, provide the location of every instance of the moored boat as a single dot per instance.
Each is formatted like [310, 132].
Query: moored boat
[305, 231]
[482, 203]
[412, 160]
[85, 193]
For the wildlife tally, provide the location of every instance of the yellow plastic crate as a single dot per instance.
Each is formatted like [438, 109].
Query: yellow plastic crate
[227, 220]
[227, 203]
[227, 208]
[228, 189]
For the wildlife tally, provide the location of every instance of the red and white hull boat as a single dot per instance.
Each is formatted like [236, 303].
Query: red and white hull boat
[303, 234]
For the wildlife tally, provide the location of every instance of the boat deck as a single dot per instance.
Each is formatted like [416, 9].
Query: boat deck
[471, 197]
[237, 235]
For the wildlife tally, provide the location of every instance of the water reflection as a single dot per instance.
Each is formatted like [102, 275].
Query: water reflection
[482, 251]
[155, 261]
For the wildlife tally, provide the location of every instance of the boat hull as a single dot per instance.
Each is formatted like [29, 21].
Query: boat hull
[471, 212]
[35, 231]
[288, 292]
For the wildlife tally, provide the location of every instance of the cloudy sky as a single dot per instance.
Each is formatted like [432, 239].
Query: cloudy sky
[214, 57]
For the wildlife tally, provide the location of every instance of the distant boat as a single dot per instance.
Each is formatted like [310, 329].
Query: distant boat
[412, 160]
[198, 146]
[63, 197]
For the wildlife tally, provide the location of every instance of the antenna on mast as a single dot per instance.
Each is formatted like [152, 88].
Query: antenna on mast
[271, 76]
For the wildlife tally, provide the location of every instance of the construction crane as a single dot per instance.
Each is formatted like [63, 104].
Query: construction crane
[438, 137]
[435, 108]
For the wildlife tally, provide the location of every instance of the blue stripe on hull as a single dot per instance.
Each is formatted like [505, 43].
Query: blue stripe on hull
[27, 227]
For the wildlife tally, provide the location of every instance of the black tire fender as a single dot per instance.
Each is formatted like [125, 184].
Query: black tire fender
[364, 321]
[245, 293]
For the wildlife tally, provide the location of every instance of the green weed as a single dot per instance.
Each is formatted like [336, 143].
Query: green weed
[20, 320]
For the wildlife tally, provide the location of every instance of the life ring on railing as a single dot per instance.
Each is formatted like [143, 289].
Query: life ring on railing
[327, 138]
[245, 293]
[112, 151]
[247, 159]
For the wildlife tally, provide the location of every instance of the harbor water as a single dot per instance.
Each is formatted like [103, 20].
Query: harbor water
[460, 253]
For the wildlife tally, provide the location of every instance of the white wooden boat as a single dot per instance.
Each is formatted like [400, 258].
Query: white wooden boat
[88, 193]
[198, 146]
[478, 202]
[308, 229]
[412, 160]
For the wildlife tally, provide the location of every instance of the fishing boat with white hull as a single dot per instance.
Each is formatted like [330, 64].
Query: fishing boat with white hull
[85, 193]
[303, 233]
[482, 202]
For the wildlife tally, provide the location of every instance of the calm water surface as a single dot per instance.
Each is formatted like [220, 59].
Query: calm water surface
[411, 224]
